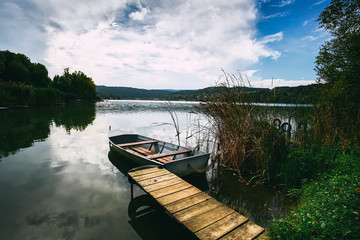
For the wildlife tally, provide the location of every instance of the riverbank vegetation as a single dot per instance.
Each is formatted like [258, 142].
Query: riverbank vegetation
[25, 83]
[316, 158]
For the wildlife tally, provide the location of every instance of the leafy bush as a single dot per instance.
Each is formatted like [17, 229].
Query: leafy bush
[15, 93]
[304, 162]
[48, 96]
[329, 205]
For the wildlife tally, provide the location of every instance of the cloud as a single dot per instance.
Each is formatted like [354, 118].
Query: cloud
[20, 29]
[272, 38]
[319, 2]
[272, 83]
[279, 14]
[139, 15]
[284, 3]
[318, 34]
[140, 43]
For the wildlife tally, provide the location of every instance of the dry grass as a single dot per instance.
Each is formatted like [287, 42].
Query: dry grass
[247, 137]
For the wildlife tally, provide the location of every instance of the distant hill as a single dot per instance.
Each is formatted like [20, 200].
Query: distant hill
[300, 94]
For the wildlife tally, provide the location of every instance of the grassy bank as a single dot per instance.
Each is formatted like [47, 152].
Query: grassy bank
[329, 203]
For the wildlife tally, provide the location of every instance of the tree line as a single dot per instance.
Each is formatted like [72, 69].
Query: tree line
[294, 95]
[25, 83]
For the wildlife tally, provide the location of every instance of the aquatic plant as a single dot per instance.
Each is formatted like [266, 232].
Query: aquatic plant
[248, 137]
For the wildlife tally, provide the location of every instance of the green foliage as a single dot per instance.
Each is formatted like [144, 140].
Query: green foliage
[15, 93]
[39, 75]
[329, 205]
[48, 96]
[304, 162]
[77, 84]
[18, 68]
[23, 82]
[338, 65]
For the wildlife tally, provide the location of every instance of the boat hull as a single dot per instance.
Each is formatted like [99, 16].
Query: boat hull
[182, 165]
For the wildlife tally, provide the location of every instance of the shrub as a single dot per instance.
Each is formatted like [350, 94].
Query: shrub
[15, 93]
[48, 96]
[329, 205]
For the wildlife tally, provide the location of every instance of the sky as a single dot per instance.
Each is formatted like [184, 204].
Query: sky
[168, 44]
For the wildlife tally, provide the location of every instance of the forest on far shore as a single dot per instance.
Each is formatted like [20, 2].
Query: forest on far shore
[295, 95]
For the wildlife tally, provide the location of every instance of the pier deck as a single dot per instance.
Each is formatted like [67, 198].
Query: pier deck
[201, 214]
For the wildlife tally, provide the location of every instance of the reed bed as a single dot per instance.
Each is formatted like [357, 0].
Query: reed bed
[249, 140]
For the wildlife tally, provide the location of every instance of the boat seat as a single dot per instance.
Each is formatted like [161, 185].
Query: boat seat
[173, 153]
[136, 143]
[148, 153]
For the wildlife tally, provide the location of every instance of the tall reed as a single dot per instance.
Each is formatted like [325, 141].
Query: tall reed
[249, 140]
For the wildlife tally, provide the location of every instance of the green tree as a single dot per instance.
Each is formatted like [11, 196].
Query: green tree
[63, 82]
[77, 84]
[18, 68]
[39, 76]
[338, 66]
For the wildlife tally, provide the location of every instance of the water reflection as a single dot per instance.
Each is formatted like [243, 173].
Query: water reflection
[20, 128]
[123, 165]
[260, 203]
[131, 106]
[150, 221]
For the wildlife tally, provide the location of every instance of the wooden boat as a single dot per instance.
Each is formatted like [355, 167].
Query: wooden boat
[147, 151]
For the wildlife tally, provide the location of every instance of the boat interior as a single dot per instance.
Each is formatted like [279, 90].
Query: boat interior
[152, 149]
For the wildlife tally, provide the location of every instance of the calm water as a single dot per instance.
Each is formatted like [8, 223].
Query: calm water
[58, 179]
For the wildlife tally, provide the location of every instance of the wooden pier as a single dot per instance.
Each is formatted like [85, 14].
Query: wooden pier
[201, 214]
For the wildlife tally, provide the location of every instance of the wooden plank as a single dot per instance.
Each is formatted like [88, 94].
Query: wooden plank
[165, 159]
[222, 227]
[143, 151]
[136, 143]
[199, 222]
[201, 214]
[160, 155]
[150, 175]
[169, 190]
[196, 210]
[248, 230]
[145, 171]
[161, 160]
[147, 152]
[177, 196]
[157, 179]
[187, 202]
[163, 184]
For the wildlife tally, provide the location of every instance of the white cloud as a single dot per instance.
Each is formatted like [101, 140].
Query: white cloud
[162, 44]
[319, 2]
[279, 14]
[272, 83]
[284, 3]
[139, 15]
[275, 37]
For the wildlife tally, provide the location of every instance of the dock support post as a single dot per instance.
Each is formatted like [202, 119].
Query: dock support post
[132, 190]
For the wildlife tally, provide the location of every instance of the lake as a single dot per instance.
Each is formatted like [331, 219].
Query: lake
[59, 179]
